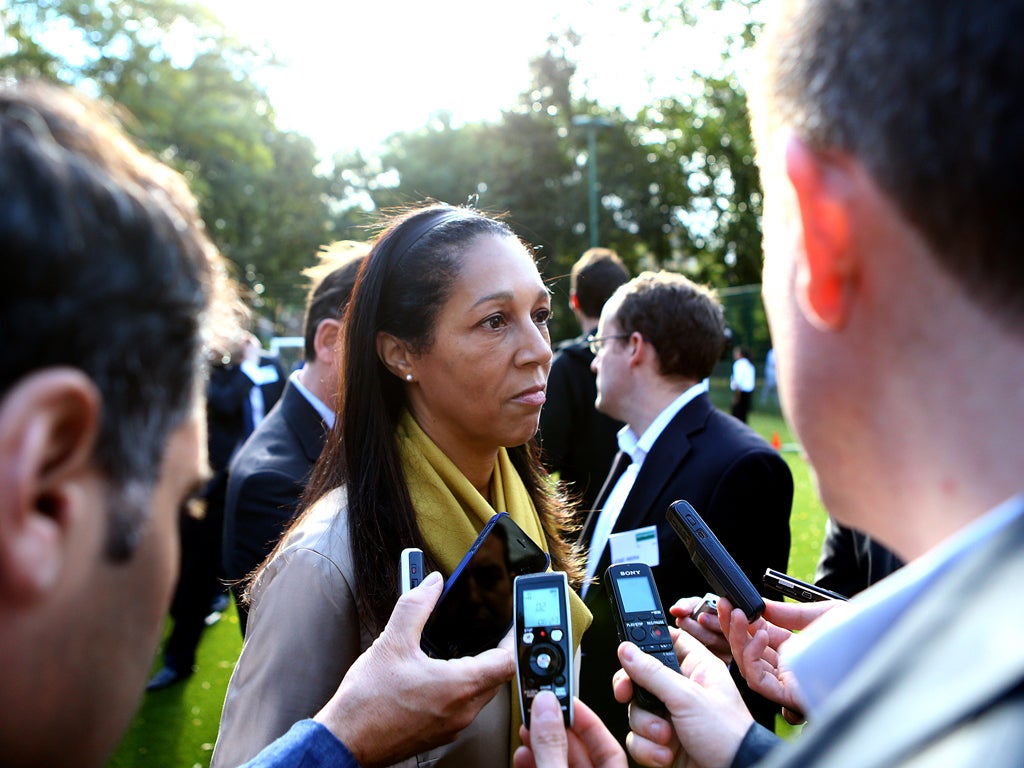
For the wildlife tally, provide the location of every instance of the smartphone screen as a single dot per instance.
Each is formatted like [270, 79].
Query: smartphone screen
[475, 610]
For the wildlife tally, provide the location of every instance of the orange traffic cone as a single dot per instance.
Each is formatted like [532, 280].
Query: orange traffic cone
[776, 441]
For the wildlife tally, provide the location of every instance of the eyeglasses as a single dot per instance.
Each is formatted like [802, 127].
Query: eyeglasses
[595, 342]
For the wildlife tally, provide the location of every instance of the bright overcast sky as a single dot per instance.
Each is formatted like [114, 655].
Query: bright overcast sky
[359, 70]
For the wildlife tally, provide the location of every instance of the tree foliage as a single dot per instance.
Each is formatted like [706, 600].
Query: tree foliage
[677, 186]
[192, 98]
[676, 183]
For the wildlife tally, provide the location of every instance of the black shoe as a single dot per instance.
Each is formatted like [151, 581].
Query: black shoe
[165, 678]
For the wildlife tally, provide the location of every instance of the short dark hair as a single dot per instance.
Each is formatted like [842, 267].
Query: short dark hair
[682, 320]
[104, 267]
[329, 295]
[927, 95]
[594, 278]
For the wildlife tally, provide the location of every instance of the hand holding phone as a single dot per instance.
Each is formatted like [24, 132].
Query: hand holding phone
[713, 561]
[640, 618]
[542, 629]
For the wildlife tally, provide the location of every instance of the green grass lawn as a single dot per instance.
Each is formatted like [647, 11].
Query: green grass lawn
[177, 727]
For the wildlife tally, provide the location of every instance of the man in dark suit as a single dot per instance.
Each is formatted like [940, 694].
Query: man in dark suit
[579, 441]
[889, 146]
[658, 339]
[270, 471]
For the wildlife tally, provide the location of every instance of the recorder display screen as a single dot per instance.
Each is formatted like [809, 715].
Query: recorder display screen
[636, 594]
[541, 607]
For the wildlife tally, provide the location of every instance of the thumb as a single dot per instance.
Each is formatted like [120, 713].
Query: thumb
[487, 670]
[648, 672]
[548, 739]
[413, 608]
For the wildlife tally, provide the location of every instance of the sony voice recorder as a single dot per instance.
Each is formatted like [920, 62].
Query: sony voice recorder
[640, 618]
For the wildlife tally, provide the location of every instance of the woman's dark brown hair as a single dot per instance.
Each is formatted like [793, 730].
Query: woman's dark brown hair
[403, 284]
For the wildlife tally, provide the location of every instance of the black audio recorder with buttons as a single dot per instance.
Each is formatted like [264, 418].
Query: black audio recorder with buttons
[640, 618]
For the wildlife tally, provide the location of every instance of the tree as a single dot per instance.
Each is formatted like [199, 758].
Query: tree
[707, 156]
[192, 97]
[677, 186]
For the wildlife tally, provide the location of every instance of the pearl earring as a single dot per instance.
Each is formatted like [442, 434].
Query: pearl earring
[408, 377]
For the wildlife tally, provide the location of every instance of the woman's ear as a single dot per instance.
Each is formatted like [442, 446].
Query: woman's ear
[49, 422]
[394, 353]
[827, 268]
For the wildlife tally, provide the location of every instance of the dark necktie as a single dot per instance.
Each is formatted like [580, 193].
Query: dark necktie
[622, 460]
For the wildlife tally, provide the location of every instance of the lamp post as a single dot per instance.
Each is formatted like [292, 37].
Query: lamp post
[592, 123]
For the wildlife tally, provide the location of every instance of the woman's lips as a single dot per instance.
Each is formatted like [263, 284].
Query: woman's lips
[534, 396]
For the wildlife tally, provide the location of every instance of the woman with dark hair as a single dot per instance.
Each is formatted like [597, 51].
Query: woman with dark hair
[446, 358]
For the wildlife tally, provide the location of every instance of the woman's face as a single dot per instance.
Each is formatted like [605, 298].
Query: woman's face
[481, 384]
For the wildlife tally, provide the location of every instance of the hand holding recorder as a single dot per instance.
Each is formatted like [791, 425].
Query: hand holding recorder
[549, 744]
[542, 629]
[426, 702]
[705, 718]
[699, 617]
[755, 645]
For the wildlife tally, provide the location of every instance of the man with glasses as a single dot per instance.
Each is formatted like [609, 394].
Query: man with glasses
[658, 339]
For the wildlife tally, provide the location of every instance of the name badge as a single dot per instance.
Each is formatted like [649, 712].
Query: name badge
[637, 546]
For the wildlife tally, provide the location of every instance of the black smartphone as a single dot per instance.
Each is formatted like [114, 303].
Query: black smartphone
[410, 569]
[543, 634]
[475, 609]
[798, 590]
[713, 561]
[640, 618]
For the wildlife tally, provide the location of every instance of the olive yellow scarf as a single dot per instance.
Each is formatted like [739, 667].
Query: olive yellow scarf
[451, 512]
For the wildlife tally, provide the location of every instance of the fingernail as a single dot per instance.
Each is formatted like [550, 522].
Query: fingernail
[628, 652]
[432, 578]
[545, 708]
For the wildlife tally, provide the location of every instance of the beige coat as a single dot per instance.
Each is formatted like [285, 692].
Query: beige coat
[304, 633]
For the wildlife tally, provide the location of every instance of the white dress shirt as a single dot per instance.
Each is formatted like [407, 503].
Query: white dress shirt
[637, 448]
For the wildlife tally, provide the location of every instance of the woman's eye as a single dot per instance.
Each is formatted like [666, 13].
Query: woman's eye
[542, 316]
[494, 322]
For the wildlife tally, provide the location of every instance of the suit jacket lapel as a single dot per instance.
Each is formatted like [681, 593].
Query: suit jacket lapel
[662, 465]
[303, 418]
